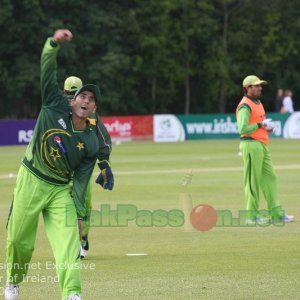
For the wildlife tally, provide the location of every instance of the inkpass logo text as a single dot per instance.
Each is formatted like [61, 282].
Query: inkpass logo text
[125, 213]
[202, 217]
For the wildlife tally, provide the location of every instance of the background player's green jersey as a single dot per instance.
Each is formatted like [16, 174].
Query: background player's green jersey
[105, 144]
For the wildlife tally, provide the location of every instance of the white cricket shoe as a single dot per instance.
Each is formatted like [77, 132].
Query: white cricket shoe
[288, 218]
[12, 291]
[74, 297]
[284, 219]
[82, 252]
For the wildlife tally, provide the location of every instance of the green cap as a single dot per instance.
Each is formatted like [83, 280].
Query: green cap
[72, 84]
[253, 80]
[92, 88]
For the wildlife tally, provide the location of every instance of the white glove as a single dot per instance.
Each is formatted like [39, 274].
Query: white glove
[268, 124]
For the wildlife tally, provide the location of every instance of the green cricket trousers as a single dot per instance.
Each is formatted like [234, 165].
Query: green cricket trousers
[31, 197]
[259, 175]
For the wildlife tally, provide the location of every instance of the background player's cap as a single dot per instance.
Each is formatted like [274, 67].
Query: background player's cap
[72, 84]
[92, 88]
[253, 80]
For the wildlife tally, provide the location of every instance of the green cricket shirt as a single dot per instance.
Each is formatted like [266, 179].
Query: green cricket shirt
[105, 144]
[57, 152]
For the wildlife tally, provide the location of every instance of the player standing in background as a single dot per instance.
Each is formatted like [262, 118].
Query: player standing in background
[287, 103]
[64, 148]
[71, 85]
[279, 99]
[258, 167]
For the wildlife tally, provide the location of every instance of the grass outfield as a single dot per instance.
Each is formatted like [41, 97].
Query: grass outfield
[222, 263]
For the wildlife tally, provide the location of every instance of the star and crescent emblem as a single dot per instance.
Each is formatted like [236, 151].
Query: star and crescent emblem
[53, 154]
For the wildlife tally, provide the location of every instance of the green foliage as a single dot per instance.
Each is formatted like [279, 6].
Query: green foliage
[152, 56]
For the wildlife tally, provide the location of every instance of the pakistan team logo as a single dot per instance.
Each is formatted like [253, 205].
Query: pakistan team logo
[50, 156]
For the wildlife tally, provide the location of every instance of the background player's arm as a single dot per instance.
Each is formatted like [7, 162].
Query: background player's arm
[243, 118]
[105, 144]
[106, 177]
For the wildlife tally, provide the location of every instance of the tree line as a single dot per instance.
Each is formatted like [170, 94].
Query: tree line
[152, 56]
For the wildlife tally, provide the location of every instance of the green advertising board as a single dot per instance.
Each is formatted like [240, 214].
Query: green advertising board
[223, 126]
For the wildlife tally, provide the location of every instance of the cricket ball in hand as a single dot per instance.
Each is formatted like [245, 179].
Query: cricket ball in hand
[203, 217]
